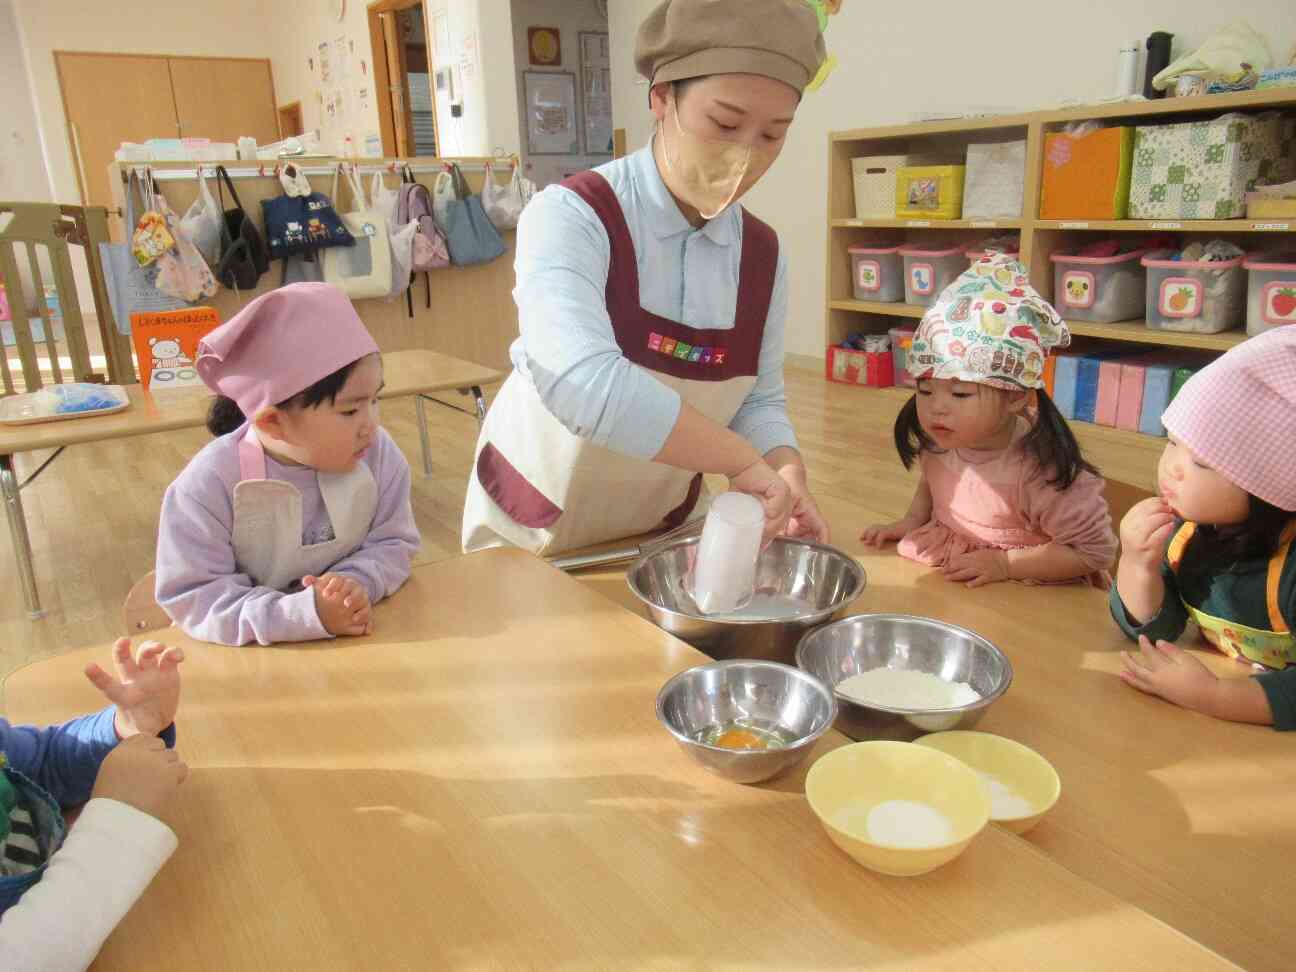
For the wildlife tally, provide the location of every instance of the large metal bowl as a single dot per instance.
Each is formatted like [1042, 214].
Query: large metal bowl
[868, 641]
[822, 579]
[762, 694]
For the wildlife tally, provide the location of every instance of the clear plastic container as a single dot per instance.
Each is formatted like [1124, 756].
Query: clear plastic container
[901, 339]
[1271, 291]
[1101, 289]
[877, 272]
[978, 251]
[928, 271]
[1204, 297]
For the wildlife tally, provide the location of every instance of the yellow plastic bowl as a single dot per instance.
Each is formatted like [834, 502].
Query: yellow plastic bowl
[1018, 767]
[849, 782]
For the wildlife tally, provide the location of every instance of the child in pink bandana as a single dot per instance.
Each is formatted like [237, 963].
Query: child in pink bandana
[1216, 546]
[1005, 493]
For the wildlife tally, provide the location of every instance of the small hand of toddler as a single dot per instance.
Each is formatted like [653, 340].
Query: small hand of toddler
[880, 534]
[1145, 531]
[978, 567]
[1168, 671]
[342, 604]
[146, 690]
[142, 773]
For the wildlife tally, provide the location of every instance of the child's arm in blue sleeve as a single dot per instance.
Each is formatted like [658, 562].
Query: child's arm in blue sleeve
[1166, 625]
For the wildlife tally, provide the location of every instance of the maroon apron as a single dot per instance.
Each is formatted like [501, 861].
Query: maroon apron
[538, 486]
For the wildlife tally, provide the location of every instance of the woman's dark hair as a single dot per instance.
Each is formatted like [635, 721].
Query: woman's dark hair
[225, 416]
[1050, 441]
[1255, 538]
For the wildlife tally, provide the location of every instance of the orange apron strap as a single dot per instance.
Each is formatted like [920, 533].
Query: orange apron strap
[1276, 619]
[1179, 543]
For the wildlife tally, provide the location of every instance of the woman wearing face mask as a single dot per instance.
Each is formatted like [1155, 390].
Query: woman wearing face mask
[652, 308]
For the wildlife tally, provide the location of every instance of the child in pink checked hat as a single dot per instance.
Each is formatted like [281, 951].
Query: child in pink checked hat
[296, 520]
[1005, 492]
[1215, 546]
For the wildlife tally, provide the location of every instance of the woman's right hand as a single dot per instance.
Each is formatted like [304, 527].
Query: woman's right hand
[1144, 532]
[761, 481]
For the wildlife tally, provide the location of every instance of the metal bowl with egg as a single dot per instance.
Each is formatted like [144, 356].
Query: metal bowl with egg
[799, 586]
[866, 642]
[781, 706]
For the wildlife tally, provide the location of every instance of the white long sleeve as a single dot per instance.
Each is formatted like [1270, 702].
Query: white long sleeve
[109, 857]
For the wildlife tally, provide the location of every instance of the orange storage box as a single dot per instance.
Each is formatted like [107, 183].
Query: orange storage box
[1087, 177]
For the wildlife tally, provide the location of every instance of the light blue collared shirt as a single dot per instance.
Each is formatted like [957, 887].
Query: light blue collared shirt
[567, 347]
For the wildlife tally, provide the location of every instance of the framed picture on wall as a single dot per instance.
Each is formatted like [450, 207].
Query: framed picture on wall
[544, 45]
[551, 113]
[596, 92]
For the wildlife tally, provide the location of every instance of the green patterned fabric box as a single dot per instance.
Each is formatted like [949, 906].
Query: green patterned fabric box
[1203, 170]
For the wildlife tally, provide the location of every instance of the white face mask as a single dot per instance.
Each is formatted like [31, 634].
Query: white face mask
[709, 172]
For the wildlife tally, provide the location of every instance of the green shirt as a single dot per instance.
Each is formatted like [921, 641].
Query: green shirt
[1235, 594]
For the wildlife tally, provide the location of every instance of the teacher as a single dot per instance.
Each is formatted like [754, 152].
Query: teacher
[652, 307]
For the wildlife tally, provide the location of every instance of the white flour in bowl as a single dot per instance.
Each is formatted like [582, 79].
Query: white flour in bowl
[900, 688]
[1005, 802]
[908, 823]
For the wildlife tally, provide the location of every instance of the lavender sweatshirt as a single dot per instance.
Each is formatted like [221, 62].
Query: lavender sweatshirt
[203, 590]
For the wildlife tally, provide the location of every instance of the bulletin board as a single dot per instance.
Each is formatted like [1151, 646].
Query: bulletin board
[551, 113]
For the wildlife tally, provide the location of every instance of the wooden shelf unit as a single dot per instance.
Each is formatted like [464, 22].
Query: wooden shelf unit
[1039, 237]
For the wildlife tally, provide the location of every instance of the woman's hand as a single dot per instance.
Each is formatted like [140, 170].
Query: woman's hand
[806, 522]
[762, 482]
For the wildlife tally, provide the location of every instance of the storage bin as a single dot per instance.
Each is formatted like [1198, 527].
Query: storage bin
[929, 191]
[1203, 170]
[995, 183]
[1100, 288]
[1271, 291]
[877, 272]
[875, 185]
[1010, 246]
[928, 271]
[1202, 297]
[851, 367]
[901, 339]
[1087, 177]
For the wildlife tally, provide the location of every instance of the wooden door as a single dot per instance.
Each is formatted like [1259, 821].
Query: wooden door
[290, 120]
[224, 98]
[398, 83]
[109, 99]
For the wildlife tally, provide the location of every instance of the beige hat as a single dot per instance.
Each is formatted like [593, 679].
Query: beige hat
[780, 39]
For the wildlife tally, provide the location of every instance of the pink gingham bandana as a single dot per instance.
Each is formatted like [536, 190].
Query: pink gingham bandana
[1238, 416]
[991, 327]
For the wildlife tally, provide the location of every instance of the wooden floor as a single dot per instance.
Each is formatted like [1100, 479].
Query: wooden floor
[93, 514]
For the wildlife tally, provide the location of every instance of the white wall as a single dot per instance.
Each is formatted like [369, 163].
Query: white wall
[898, 60]
[22, 167]
[570, 17]
[236, 28]
[481, 44]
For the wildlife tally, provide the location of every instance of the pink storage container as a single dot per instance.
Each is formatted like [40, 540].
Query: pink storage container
[877, 272]
[1102, 289]
[1203, 297]
[928, 271]
[1271, 291]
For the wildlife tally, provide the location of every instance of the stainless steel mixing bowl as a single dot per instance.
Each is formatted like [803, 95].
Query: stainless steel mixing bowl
[760, 694]
[822, 579]
[861, 643]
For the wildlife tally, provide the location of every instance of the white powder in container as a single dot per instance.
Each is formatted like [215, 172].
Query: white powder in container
[901, 688]
[1005, 802]
[908, 823]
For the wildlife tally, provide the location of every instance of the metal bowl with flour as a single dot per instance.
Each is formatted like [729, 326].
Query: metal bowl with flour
[799, 585]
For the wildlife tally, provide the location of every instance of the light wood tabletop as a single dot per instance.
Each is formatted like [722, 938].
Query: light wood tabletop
[405, 372]
[1189, 818]
[482, 783]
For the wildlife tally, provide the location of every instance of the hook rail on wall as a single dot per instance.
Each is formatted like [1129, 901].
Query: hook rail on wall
[262, 171]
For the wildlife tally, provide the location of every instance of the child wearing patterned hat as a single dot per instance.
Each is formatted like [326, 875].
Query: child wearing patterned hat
[1005, 492]
[1216, 546]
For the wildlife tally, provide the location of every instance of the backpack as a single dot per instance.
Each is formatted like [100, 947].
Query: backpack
[430, 249]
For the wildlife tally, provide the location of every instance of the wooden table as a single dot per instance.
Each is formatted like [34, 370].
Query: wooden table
[482, 783]
[1188, 818]
[416, 372]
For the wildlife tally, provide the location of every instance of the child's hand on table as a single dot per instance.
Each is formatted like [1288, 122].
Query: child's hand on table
[146, 690]
[880, 534]
[342, 603]
[1166, 670]
[976, 568]
[142, 773]
[1145, 531]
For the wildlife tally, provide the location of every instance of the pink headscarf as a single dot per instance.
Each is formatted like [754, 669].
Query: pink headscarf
[1238, 414]
[282, 343]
